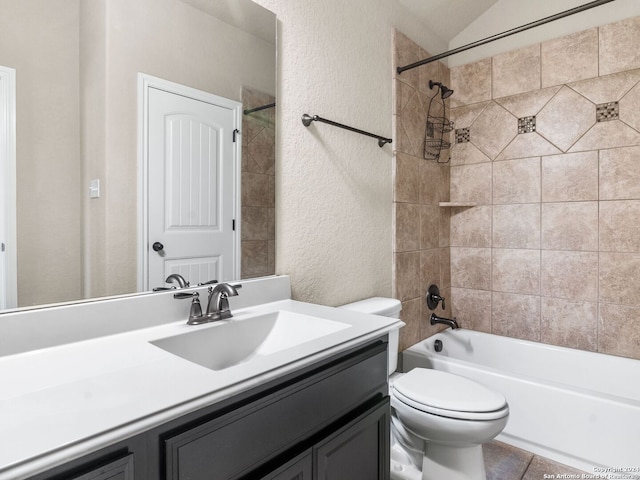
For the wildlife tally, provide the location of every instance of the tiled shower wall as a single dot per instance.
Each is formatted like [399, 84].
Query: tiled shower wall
[258, 186]
[550, 157]
[421, 230]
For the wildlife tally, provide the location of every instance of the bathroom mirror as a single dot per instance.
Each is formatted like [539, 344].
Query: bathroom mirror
[77, 65]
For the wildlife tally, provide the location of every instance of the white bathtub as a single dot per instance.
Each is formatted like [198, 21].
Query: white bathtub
[578, 408]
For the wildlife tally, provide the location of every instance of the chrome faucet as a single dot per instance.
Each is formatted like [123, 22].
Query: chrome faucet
[179, 279]
[445, 321]
[218, 304]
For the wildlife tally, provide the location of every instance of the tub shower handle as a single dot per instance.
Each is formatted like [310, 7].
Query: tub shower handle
[433, 297]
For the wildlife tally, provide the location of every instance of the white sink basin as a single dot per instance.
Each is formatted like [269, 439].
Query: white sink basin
[230, 342]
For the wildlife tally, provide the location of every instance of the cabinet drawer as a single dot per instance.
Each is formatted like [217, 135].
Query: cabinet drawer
[233, 444]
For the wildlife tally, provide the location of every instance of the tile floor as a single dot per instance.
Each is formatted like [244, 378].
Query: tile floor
[504, 462]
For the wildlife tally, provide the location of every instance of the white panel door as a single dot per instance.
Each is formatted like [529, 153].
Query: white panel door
[191, 189]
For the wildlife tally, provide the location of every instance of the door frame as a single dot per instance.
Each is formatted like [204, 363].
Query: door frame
[8, 235]
[145, 82]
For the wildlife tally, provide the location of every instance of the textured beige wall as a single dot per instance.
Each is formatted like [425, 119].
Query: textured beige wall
[39, 39]
[333, 187]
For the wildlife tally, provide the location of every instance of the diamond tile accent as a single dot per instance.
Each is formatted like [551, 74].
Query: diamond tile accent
[493, 130]
[462, 135]
[565, 118]
[527, 124]
[607, 111]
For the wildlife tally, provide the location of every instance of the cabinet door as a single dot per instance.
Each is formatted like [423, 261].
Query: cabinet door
[121, 469]
[297, 469]
[357, 451]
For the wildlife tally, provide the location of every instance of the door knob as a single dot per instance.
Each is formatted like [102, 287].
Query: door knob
[157, 246]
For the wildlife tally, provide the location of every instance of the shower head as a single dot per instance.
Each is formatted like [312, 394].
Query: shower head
[445, 92]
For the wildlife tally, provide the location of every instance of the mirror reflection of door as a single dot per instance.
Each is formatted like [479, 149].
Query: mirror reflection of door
[192, 186]
[8, 244]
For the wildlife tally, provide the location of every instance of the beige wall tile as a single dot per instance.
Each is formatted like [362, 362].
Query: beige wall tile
[255, 258]
[619, 330]
[471, 268]
[570, 177]
[407, 275]
[433, 182]
[607, 88]
[445, 267]
[421, 227]
[516, 226]
[430, 270]
[610, 134]
[255, 190]
[619, 46]
[570, 58]
[570, 226]
[405, 52]
[463, 117]
[570, 275]
[515, 271]
[630, 106]
[529, 103]
[566, 118]
[410, 315]
[569, 324]
[516, 181]
[515, 315]
[471, 183]
[471, 227]
[472, 308]
[527, 145]
[435, 71]
[407, 227]
[620, 173]
[493, 130]
[407, 178]
[471, 82]
[516, 71]
[619, 226]
[412, 121]
[256, 224]
[619, 278]
[430, 226]
[467, 153]
[445, 227]
[401, 95]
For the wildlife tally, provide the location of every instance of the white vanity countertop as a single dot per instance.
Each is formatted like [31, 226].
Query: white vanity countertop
[62, 402]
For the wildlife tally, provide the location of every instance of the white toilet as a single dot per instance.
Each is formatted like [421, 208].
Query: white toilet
[439, 420]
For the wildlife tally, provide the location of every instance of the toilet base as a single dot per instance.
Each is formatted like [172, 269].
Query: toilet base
[453, 463]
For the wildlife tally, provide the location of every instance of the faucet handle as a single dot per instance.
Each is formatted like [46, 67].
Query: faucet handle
[210, 282]
[433, 297]
[181, 295]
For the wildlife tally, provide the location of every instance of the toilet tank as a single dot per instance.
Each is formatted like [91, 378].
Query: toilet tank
[386, 307]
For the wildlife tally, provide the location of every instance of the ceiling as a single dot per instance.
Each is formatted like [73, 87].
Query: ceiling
[447, 18]
[243, 14]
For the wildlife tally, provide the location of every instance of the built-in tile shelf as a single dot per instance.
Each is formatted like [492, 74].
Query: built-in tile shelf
[457, 204]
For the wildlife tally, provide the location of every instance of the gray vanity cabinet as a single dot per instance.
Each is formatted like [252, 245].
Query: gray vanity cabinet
[121, 469]
[327, 421]
[300, 468]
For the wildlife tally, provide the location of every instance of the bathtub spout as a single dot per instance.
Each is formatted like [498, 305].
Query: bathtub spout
[446, 321]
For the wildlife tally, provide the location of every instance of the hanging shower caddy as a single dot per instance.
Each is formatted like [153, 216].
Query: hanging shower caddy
[438, 124]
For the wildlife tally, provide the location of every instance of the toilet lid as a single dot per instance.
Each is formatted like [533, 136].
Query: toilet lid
[446, 391]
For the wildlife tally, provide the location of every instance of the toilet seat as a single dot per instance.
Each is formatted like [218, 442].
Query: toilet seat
[449, 395]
